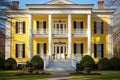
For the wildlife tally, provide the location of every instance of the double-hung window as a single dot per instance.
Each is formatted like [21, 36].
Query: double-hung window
[98, 27]
[20, 27]
[20, 50]
[41, 26]
[98, 50]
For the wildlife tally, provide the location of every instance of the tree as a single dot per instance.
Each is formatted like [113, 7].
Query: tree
[4, 4]
[116, 24]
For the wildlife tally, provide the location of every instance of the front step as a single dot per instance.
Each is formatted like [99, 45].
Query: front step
[60, 65]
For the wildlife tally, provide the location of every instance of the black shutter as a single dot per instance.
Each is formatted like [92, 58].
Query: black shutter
[16, 27]
[37, 23]
[44, 48]
[74, 48]
[102, 26]
[81, 25]
[38, 48]
[44, 24]
[81, 45]
[16, 50]
[23, 46]
[95, 27]
[95, 50]
[74, 24]
[23, 26]
[102, 50]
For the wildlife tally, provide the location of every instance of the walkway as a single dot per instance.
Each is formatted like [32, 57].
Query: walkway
[59, 75]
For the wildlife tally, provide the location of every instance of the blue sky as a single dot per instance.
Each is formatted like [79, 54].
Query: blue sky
[23, 2]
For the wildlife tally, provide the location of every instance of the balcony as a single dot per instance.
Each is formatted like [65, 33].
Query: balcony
[40, 33]
[80, 32]
[60, 33]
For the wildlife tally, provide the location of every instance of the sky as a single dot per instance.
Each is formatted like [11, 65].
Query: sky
[23, 2]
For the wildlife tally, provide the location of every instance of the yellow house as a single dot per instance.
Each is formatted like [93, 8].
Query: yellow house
[60, 31]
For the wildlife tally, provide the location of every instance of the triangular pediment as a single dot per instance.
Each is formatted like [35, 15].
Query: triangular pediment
[60, 2]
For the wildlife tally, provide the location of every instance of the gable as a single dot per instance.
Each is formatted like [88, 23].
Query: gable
[60, 2]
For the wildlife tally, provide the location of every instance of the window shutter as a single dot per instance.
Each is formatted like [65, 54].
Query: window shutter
[102, 26]
[95, 25]
[23, 46]
[74, 48]
[95, 50]
[16, 50]
[74, 24]
[102, 50]
[16, 27]
[37, 24]
[81, 46]
[23, 26]
[81, 25]
[44, 48]
[38, 48]
[44, 24]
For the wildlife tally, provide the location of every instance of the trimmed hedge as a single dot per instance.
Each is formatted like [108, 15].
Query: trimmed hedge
[37, 62]
[115, 63]
[2, 62]
[85, 60]
[104, 64]
[10, 64]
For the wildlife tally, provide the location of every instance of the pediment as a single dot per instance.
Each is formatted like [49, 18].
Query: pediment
[60, 2]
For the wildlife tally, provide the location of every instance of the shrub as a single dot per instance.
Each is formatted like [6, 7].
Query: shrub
[104, 64]
[115, 63]
[2, 62]
[37, 62]
[87, 59]
[10, 64]
[29, 64]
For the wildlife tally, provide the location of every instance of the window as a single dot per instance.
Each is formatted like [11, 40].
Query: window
[20, 50]
[78, 48]
[40, 25]
[98, 50]
[78, 24]
[41, 48]
[98, 27]
[20, 27]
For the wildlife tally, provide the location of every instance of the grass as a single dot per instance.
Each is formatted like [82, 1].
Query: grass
[105, 75]
[11, 75]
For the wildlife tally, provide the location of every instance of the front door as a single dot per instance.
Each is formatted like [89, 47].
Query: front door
[59, 50]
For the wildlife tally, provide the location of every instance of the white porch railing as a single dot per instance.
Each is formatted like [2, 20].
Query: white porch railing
[80, 31]
[41, 31]
[60, 32]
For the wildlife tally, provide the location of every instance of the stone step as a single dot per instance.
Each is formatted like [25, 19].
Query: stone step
[60, 65]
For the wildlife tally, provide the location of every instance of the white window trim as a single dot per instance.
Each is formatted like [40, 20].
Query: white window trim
[22, 26]
[99, 43]
[20, 43]
[96, 25]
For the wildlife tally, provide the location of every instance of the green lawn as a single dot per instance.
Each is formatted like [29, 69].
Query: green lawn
[11, 75]
[105, 75]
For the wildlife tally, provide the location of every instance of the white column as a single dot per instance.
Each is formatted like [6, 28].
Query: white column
[89, 47]
[69, 37]
[110, 38]
[7, 39]
[50, 34]
[30, 37]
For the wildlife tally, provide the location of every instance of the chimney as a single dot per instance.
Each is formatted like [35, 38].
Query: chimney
[100, 4]
[15, 4]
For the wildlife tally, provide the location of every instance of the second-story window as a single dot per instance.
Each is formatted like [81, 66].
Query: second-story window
[98, 27]
[78, 25]
[40, 26]
[20, 27]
